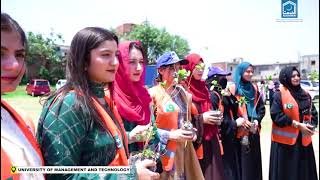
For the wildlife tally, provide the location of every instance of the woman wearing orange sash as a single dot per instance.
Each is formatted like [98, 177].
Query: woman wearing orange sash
[294, 118]
[222, 98]
[79, 124]
[251, 108]
[19, 147]
[172, 110]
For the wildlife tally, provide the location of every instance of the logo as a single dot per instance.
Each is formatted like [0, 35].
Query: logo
[289, 8]
[170, 108]
[118, 141]
[288, 106]
[13, 169]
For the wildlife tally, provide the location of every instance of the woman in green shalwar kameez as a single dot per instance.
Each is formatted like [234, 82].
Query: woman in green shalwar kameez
[71, 130]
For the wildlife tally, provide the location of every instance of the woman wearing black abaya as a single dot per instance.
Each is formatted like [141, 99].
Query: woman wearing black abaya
[251, 108]
[294, 116]
[228, 129]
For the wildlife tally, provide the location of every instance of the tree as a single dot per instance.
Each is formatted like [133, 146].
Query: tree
[157, 41]
[314, 75]
[44, 59]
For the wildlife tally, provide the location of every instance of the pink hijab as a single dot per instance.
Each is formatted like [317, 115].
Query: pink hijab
[200, 93]
[132, 98]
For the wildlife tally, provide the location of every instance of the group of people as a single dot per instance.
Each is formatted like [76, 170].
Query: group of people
[101, 117]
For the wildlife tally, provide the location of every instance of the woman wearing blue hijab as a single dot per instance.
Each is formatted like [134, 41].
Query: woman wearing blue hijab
[251, 108]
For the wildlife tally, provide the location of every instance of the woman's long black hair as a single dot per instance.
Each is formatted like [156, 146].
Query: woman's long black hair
[78, 60]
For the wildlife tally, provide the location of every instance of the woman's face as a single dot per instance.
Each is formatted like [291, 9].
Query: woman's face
[248, 73]
[168, 72]
[136, 62]
[12, 61]
[198, 71]
[103, 62]
[295, 78]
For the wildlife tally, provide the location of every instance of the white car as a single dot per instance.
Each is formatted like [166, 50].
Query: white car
[60, 83]
[312, 87]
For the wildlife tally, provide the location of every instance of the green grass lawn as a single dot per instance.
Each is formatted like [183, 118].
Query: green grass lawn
[20, 99]
[32, 106]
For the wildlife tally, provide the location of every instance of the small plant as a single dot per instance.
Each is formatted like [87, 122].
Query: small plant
[164, 83]
[216, 85]
[148, 152]
[242, 100]
[181, 75]
[269, 77]
[151, 132]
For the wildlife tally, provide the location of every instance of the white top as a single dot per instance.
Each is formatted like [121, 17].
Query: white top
[17, 147]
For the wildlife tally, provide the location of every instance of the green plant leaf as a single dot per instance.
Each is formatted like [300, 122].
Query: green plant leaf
[164, 83]
[269, 77]
[214, 82]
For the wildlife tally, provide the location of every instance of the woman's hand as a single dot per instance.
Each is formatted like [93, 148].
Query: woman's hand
[254, 126]
[247, 124]
[138, 134]
[210, 117]
[181, 135]
[240, 121]
[305, 129]
[143, 172]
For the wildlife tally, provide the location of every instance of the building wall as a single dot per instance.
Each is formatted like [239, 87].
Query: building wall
[309, 63]
[261, 71]
[124, 28]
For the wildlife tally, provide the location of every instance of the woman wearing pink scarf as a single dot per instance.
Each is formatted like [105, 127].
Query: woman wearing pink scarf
[211, 163]
[131, 97]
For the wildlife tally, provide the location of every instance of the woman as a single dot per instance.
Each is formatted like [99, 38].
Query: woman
[131, 97]
[294, 118]
[172, 110]
[251, 108]
[19, 147]
[211, 163]
[79, 125]
[222, 99]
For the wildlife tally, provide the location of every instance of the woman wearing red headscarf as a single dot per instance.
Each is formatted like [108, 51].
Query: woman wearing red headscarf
[211, 163]
[132, 98]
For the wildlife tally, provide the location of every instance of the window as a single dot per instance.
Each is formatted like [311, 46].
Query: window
[315, 84]
[305, 82]
[313, 62]
[42, 83]
[230, 68]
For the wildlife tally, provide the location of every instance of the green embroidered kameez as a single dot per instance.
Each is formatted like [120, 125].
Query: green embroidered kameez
[71, 138]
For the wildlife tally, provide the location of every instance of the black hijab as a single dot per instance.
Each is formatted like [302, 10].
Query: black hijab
[227, 101]
[301, 96]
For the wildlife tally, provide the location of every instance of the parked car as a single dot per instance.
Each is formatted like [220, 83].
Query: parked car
[312, 87]
[60, 83]
[38, 87]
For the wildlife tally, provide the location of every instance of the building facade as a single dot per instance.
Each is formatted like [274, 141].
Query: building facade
[308, 64]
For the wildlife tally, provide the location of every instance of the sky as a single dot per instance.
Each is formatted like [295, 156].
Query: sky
[218, 30]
